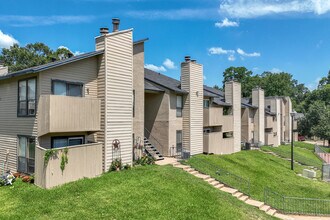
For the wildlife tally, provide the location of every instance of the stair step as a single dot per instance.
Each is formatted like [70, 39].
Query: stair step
[238, 194]
[271, 212]
[214, 183]
[190, 170]
[202, 176]
[182, 166]
[194, 172]
[229, 190]
[210, 180]
[254, 203]
[243, 198]
[219, 186]
[265, 208]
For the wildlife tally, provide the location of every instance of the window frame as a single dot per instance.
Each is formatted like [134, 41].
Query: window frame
[67, 83]
[206, 101]
[27, 153]
[178, 145]
[27, 97]
[179, 110]
[67, 139]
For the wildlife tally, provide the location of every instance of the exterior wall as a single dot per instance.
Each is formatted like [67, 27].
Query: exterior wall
[10, 124]
[233, 96]
[83, 161]
[138, 86]
[258, 99]
[156, 111]
[192, 82]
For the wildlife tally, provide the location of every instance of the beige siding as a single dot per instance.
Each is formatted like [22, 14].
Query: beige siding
[258, 99]
[212, 116]
[118, 94]
[10, 124]
[138, 85]
[233, 96]
[192, 82]
[84, 161]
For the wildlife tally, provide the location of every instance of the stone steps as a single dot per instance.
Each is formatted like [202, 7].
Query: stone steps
[234, 192]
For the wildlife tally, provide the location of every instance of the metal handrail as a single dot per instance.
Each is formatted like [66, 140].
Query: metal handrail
[296, 205]
[150, 135]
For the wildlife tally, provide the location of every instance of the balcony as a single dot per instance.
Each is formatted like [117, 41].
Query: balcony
[228, 123]
[212, 142]
[212, 116]
[68, 114]
[269, 123]
[269, 139]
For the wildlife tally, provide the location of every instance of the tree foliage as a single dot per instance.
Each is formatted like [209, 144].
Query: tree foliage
[18, 58]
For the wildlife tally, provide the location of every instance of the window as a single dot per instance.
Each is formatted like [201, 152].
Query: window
[27, 93]
[179, 106]
[206, 103]
[227, 110]
[67, 88]
[26, 154]
[179, 141]
[58, 142]
[228, 134]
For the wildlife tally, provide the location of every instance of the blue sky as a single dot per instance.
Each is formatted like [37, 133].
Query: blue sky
[263, 35]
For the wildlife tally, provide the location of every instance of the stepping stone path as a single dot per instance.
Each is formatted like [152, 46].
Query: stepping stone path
[234, 192]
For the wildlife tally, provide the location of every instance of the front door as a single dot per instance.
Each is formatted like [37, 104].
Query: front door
[26, 154]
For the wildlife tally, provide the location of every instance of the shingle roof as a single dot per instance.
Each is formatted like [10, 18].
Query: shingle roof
[213, 90]
[150, 87]
[47, 66]
[164, 81]
[221, 102]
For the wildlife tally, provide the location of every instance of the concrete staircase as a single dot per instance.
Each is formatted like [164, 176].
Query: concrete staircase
[234, 192]
[151, 150]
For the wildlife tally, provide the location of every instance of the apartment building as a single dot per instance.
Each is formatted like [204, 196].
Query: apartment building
[104, 105]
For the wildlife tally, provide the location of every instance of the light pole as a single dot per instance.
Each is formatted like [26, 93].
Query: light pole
[293, 114]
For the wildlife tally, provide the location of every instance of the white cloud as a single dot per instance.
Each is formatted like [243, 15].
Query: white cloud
[169, 64]
[28, 21]
[155, 68]
[257, 8]
[6, 40]
[231, 58]
[226, 23]
[244, 54]
[275, 70]
[204, 77]
[74, 53]
[219, 50]
[176, 14]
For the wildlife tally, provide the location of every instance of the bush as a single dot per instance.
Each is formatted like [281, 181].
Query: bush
[145, 160]
[116, 165]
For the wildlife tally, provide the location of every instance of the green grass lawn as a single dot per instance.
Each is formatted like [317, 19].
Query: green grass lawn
[304, 145]
[302, 155]
[264, 170]
[151, 192]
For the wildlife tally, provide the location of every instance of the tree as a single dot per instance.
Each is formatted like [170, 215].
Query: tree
[324, 81]
[316, 121]
[18, 58]
[242, 75]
